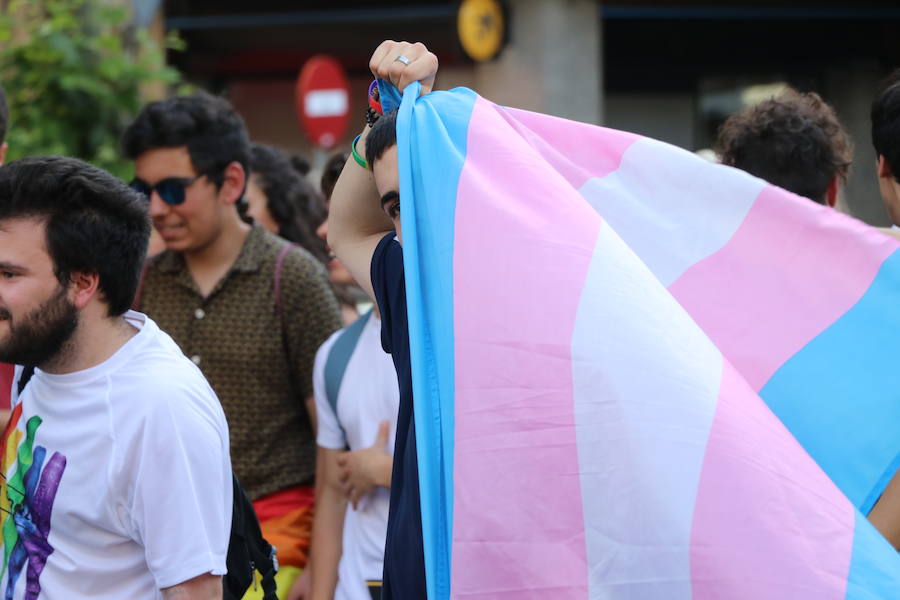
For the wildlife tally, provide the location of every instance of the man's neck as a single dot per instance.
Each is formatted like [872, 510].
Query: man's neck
[209, 264]
[95, 340]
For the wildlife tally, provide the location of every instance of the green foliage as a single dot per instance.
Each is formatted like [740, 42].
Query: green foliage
[73, 71]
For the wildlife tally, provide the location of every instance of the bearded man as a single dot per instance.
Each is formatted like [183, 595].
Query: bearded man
[115, 464]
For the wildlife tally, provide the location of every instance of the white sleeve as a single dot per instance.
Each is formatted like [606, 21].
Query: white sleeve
[330, 435]
[182, 500]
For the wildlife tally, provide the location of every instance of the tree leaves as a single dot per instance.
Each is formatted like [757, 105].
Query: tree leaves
[73, 72]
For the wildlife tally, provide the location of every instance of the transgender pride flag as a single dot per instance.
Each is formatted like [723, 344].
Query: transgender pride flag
[639, 375]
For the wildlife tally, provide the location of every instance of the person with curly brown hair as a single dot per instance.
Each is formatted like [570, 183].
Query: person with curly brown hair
[793, 140]
[282, 200]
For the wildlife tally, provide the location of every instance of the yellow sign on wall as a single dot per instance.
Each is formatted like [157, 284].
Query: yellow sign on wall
[481, 28]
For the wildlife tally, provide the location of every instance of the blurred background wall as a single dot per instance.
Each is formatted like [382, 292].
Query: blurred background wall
[671, 70]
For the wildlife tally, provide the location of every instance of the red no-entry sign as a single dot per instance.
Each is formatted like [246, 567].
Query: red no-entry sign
[323, 100]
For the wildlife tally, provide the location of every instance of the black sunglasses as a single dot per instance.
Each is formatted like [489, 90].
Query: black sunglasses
[170, 189]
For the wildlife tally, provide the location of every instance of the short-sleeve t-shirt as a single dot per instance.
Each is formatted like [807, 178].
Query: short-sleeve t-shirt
[404, 560]
[118, 478]
[367, 396]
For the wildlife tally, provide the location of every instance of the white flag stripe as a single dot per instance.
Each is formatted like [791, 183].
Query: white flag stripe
[646, 382]
[672, 207]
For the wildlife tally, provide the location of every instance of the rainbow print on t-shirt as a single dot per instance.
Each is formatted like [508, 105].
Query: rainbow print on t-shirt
[26, 501]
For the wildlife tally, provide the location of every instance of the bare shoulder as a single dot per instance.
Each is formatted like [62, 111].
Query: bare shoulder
[894, 233]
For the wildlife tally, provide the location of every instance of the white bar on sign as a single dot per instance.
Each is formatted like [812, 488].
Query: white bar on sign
[326, 103]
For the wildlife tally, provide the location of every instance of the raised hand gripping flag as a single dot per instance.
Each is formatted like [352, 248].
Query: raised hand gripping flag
[638, 375]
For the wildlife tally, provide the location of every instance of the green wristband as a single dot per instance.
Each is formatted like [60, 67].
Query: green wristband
[359, 159]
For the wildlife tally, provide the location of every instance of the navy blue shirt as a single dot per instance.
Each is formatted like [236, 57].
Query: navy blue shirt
[404, 559]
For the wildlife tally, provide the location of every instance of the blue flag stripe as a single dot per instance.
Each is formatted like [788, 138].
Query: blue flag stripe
[846, 381]
[431, 136]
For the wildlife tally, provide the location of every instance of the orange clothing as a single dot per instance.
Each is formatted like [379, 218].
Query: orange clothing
[286, 519]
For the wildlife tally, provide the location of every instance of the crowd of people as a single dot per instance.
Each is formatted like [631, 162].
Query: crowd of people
[263, 334]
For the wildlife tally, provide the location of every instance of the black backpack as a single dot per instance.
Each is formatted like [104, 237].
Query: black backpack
[248, 550]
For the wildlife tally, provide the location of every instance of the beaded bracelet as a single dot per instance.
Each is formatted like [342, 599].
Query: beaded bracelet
[373, 111]
[374, 97]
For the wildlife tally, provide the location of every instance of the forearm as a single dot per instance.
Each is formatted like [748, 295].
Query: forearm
[204, 587]
[328, 528]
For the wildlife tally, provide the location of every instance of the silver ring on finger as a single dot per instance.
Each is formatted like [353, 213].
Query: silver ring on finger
[403, 60]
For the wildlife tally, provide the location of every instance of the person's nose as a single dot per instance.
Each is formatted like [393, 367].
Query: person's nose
[157, 206]
[322, 230]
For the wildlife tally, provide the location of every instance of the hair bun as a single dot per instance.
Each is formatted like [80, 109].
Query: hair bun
[300, 164]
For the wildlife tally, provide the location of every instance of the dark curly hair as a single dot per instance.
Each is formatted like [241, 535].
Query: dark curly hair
[331, 172]
[293, 202]
[212, 130]
[886, 122]
[382, 137]
[793, 140]
[95, 223]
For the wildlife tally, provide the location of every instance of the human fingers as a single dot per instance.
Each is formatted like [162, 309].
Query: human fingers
[401, 63]
[383, 49]
[422, 67]
[381, 439]
[347, 487]
[397, 58]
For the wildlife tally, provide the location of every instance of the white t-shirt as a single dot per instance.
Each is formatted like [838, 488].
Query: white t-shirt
[132, 490]
[368, 394]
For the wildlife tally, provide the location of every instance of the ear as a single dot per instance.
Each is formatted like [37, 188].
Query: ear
[3, 148]
[831, 193]
[884, 169]
[233, 183]
[83, 287]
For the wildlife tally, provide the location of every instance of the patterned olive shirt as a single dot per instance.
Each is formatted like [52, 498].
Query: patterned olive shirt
[235, 336]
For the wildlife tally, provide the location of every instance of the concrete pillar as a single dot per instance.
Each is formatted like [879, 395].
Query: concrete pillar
[150, 14]
[850, 88]
[552, 62]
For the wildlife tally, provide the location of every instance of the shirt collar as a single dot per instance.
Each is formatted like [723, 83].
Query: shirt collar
[249, 260]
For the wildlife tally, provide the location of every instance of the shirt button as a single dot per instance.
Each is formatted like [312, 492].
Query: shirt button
[199, 313]
[195, 359]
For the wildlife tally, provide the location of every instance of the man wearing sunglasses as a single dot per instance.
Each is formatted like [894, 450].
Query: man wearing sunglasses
[214, 290]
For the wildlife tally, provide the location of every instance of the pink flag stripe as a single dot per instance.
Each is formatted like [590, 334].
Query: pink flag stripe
[759, 318]
[577, 151]
[769, 523]
[518, 530]
[646, 385]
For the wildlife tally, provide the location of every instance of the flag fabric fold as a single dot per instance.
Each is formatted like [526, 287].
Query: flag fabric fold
[638, 374]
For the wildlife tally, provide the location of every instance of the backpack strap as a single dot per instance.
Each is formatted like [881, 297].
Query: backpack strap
[279, 299]
[248, 551]
[339, 358]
